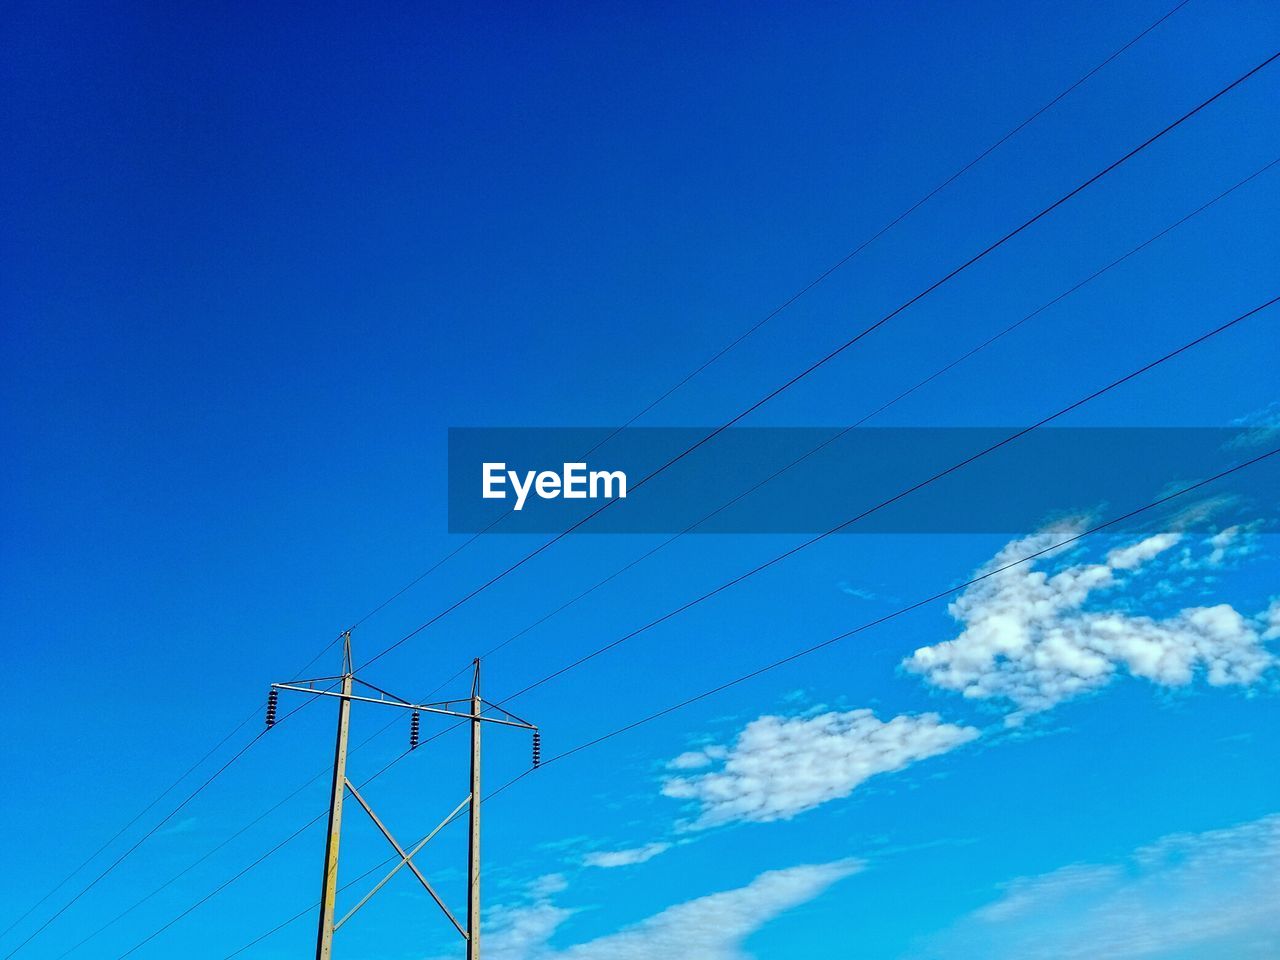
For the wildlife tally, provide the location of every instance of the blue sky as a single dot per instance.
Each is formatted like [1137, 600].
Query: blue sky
[259, 261]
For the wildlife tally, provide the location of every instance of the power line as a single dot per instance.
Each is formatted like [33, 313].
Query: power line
[816, 281]
[902, 495]
[889, 226]
[141, 813]
[120, 859]
[477, 717]
[774, 313]
[222, 886]
[807, 651]
[260, 817]
[771, 315]
[272, 809]
[829, 356]
[884, 406]
[677, 386]
[191, 866]
[960, 465]
[230, 880]
[883, 320]
[746, 493]
[119, 833]
[901, 611]
[150, 833]
[275, 849]
[819, 363]
[307, 909]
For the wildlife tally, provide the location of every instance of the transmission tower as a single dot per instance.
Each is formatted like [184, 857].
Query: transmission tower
[345, 692]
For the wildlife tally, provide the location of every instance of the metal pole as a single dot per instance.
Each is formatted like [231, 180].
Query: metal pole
[329, 890]
[473, 846]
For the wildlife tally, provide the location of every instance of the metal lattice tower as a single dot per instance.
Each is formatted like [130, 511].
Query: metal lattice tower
[343, 688]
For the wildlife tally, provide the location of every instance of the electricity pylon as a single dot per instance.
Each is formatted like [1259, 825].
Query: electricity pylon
[345, 693]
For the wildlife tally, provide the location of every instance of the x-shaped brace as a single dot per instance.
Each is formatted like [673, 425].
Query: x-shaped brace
[406, 860]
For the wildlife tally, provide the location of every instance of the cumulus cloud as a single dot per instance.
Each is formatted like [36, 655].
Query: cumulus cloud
[625, 858]
[1191, 895]
[1029, 640]
[782, 766]
[713, 927]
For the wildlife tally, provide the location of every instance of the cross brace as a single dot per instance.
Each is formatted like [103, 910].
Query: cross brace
[406, 859]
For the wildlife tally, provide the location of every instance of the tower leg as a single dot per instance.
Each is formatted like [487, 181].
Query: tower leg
[329, 889]
[473, 846]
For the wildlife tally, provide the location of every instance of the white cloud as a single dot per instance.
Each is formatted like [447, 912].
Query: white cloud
[1029, 640]
[1136, 554]
[516, 933]
[858, 593]
[781, 766]
[696, 759]
[548, 885]
[1263, 427]
[1227, 546]
[713, 927]
[185, 825]
[1234, 541]
[625, 858]
[1271, 621]
[1190, 895]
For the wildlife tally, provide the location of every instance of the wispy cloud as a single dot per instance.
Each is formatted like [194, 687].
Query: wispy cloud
[1191, 895]
[782, 766]
[625, 858]
[185, 825]
[1262, 427]
[712, 927]
[858, 593]
[1029, 640]
[521, 932]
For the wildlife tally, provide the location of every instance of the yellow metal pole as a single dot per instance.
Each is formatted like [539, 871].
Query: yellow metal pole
[329, 890]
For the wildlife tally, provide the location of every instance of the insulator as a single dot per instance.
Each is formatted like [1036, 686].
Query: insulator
[537, 748]
[413, 730]
[272, 699]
